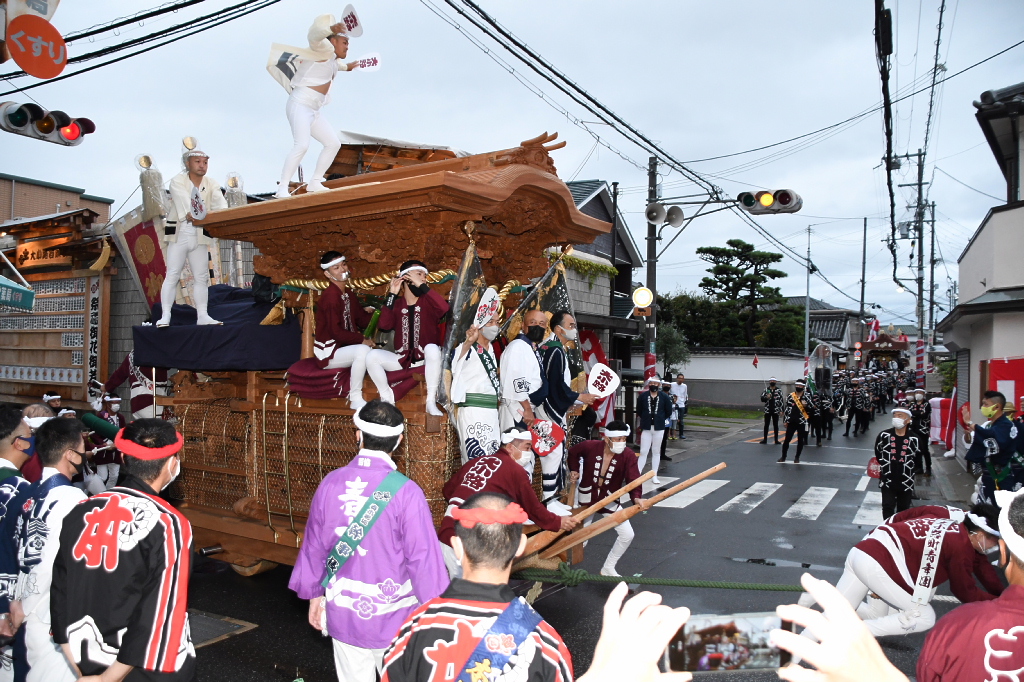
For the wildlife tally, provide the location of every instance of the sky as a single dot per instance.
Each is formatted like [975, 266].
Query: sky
[701, 78]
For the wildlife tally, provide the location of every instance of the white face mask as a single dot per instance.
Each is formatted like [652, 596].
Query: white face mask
[570, 334]
[490, 333]
[526, 461]
[898, 423]
[114, 407]
[177, 471]
[617, 448]
[918, 397]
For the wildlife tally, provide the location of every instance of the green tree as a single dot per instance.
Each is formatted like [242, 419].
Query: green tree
[702, 320]
[671, 348]
[739, 277]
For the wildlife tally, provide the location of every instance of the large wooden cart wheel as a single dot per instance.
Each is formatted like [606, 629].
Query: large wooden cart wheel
[261, 566]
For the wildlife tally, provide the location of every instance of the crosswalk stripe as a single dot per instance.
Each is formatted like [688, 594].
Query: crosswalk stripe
[750, 498]
[862, 484]
[811, 504]
[692, 494]
[825, 464]
[870, 512]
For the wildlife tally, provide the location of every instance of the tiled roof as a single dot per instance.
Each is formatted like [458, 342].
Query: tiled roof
[583, 189]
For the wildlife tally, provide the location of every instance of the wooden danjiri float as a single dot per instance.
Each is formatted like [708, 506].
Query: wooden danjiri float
[255, 451]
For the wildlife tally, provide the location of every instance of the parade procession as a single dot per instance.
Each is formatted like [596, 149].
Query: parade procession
[310, 401]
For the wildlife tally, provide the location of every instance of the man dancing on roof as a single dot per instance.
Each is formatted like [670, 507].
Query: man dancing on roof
[509, 471]
[416, 313]
[523, 384]
[602, 467]
[339, 319]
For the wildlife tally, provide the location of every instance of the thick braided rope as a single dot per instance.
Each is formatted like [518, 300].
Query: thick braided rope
[571, 577]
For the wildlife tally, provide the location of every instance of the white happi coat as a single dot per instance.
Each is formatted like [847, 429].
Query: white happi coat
[520, 376]
[479, 431]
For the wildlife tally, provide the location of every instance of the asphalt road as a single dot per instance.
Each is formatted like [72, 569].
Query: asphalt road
[755, 522]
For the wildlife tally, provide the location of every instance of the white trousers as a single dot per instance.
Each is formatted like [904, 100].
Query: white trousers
[863, 574]
[45, 658]
[354, 664]
[380, 361]
[304, 115]
[650, 442]
[108, 474]
[187, 247]
[625, 538]
[353, 357]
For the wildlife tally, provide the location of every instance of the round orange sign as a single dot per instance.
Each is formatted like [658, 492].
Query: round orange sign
[36, 46]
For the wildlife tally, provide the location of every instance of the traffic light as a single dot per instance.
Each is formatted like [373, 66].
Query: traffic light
[32, 120]
[768, 202]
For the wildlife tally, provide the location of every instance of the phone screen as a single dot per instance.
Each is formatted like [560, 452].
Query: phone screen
[733, 642]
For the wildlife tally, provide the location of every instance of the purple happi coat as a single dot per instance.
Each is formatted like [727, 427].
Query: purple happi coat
[397, 567]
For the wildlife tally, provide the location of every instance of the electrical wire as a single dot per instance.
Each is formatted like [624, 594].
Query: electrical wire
[973, 189]
[124, 21]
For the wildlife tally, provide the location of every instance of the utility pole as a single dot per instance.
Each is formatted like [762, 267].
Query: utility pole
[652, 259]
[931, 285]
[863, 276]
[615, 239]
[807, 308]
[918, 238]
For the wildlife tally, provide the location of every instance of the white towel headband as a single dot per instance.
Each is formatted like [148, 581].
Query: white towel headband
[379, 430]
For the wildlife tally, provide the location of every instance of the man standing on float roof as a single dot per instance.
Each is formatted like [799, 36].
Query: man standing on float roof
[339, 320]
[523, 384]
[369, 555]
[475, 391]
[193, 194]
[309, 89]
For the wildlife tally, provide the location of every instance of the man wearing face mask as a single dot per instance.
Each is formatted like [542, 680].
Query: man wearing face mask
[416, 313]
[897, 451]
[797, 416]
[523, 385]
[119, 596]
[772, 399]
[509, 471]
[920, 425]
[560, 397]
[108, 462]
[602, 467]
[992, 447]
[29, 539]
[15, 444]
[340, 321]
[475, 391]
[653, 408]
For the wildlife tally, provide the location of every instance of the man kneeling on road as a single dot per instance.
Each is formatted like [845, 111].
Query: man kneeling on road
[478, 629]
[507, 472]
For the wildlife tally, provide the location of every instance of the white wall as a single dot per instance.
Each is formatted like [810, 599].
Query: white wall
[995, 256]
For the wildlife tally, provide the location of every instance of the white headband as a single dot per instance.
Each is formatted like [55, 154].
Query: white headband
[903, 410]
[981, 523]
[379, 430]
[515, 434]
[35, 422]
[411, 268]
[64, 412]
[47, 397]
[1014, 542]
[616, 434]
[340, 259]
[772, 379]
[112, 399]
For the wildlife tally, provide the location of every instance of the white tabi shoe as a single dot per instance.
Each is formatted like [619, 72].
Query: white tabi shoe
[316, 186]
[282, 193]
[356, 402]
[610, 572]
[656, 481]
[433, 409]
[207, 320]
[163, 322]
[556, 507]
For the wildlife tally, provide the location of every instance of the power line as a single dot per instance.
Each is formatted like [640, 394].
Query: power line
[973, 189]
[124, 21]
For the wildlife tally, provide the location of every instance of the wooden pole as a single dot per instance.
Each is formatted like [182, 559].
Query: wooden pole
[623, 514]
[538, 541]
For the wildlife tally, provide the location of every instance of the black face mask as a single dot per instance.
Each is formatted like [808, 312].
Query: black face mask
[419, 289]
[80, 466]
[799, 389]
[536, 333]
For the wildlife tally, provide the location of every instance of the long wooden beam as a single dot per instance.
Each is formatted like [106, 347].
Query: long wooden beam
[622, 515]
[538, 541]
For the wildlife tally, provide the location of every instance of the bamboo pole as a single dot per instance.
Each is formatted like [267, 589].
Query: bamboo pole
[622, 515]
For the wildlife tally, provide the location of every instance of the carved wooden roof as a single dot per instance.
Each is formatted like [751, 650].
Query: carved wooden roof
[378, 220]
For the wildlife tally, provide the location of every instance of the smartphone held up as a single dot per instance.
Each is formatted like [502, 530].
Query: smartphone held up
[739, 641]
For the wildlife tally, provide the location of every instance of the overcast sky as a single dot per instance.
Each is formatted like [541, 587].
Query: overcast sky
[701, 78]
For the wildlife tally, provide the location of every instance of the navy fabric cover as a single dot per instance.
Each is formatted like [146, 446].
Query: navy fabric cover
[240, 344]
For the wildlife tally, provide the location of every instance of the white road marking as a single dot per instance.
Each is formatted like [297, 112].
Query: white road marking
[649, 488]
[862, 484]
[695, 492]
[811, 504]
[826, 464]
[750, 498]
[870, 512]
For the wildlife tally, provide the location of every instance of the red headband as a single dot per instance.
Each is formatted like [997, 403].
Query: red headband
[513, 513]
[139, 451]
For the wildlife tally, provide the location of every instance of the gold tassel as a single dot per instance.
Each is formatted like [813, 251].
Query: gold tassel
[276, 314]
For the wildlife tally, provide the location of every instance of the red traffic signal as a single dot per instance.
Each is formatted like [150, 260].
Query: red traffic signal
[769, 202]
[31, 120]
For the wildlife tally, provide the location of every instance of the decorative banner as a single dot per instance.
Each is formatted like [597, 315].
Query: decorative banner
[546, 436]
[40, 253]
[602, 381]
[593, 354]
[36, 46]
[148, 260]
[92, 347]
[353, 26]
[196, 205]
[370, 62]
[488, 306]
